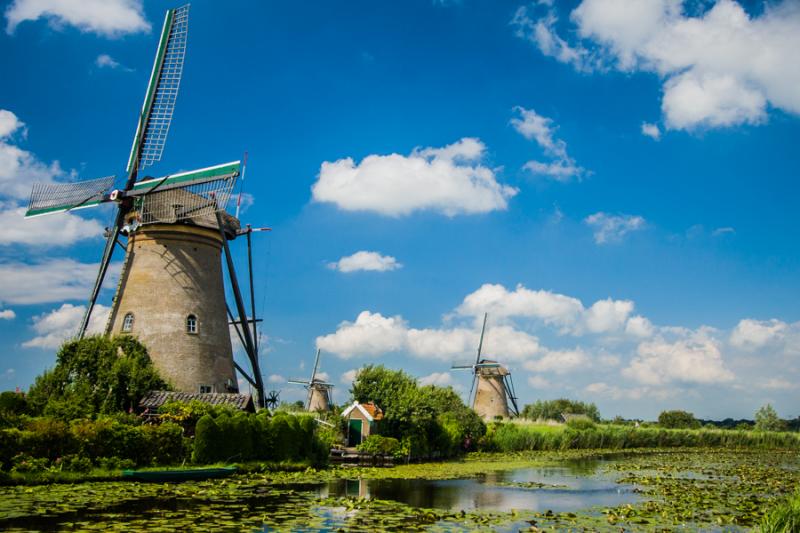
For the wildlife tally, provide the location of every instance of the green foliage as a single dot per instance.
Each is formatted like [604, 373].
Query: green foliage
[581, 423]
[553, 409]
[428, 421]
[247, 437]
[767, 419]
[13, 403]
[677, 420]
[784, 517]
[515, 437]
[95, 375]
[380, 445]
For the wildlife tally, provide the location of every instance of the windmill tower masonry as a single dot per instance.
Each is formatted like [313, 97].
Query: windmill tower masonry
[494, 395]
[171, 293]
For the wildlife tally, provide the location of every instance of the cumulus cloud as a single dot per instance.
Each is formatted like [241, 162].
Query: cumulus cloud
[349, 376]
[59, 230]
[538, 382]
[566, 313]
[534, 126]
[7, 314]
[276, 378]
[58, 325]
[441, 379]
[449, 180]
[9, 124]
[720, 68]
[104, 17]
[612, 228]
[752, 334]
[651, 130]
[106, 61]
[560, 361]
[695, 357]
[51, 281]
[373, 335]
[365, 261]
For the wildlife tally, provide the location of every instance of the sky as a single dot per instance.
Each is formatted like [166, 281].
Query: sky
[613, 181]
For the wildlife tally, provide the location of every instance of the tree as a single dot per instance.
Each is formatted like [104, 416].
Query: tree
[677, 420]
[553, 409]
[95, 375]
[767, 419]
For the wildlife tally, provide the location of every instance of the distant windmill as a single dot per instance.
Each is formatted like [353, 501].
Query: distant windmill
[171, 292]
[272, 399]
[319, 392]
[495, 389]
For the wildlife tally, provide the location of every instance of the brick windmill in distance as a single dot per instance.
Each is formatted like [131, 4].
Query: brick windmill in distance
[494, 394]
[319, 392]
[171, 292]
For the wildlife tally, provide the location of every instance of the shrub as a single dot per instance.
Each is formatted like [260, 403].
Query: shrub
[553, 409]
[379, 445]
[580, 423]
[767, 419]
[677, 420]
[207, 439]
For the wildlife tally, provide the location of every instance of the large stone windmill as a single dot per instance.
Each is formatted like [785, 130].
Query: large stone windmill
[494, 395]
[171, 291]
[319, 392]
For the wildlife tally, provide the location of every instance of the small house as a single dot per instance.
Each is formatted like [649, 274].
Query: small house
[361, 419]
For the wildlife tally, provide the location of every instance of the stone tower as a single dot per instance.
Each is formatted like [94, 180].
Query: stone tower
[172, 298]
[490, 396]
[319, 397]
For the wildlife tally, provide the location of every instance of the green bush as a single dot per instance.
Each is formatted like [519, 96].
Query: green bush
[553, 409]
[207, 439]
[379, 445]
[677, 420]
[581, 423]
[767, 419]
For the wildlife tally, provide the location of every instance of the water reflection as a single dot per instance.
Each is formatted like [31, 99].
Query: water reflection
[573, 486]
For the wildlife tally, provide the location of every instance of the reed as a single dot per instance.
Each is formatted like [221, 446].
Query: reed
[784, 517]
[512, 437]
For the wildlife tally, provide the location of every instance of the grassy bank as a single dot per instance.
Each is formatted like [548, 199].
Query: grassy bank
[522, 436]
[784, 517]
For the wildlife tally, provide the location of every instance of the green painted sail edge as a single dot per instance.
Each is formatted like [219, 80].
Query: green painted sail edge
[151, 88]
[206, 174]
[30, 213]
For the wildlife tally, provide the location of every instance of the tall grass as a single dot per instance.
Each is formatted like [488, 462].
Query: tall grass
[783, 518]
[511, 437]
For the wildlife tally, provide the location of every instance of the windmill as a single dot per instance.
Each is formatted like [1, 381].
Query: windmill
[494, 394]
[171, 292]
[319, 392]
[272, 399]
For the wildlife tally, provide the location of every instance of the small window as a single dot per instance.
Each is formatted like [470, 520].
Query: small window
[205, 389]
[191, 324]
[127, 322]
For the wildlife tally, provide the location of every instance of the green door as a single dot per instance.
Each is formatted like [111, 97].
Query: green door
[354, 433]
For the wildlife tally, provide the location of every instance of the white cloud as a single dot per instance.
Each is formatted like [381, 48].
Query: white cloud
[720, 68]
[276, 378]
[9, 123]
[19, 169]
[612, 228]
[565, 312]
[364, 260]
[348, 377]
[560, 361]
[693, 358]
[536, 127]
[106, 61]
[777, 384]
[449, 180]
[59, 230]
[752, 334]
[651, 130]
[52, 281]
[105, 17]
[60, 324]
[727, 230]
[7, 314]
[538, 382]
[639, 326]
[370, 335]
[440, 379]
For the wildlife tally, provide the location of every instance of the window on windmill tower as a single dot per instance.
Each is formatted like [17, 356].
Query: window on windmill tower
[191, 324]
[127, 322]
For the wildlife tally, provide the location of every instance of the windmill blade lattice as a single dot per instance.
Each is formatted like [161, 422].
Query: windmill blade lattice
[47, 198]
[162, 91]
[195, 202]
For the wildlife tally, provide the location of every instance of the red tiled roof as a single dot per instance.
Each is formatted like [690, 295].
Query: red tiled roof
[374, 411]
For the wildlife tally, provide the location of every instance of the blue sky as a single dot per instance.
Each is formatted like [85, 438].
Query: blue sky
[613, 181]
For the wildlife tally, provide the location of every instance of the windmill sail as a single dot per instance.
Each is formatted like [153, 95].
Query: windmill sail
[162, 91]
[49, 198]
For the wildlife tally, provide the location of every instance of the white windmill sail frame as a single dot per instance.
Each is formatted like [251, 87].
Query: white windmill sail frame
[49, 198]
